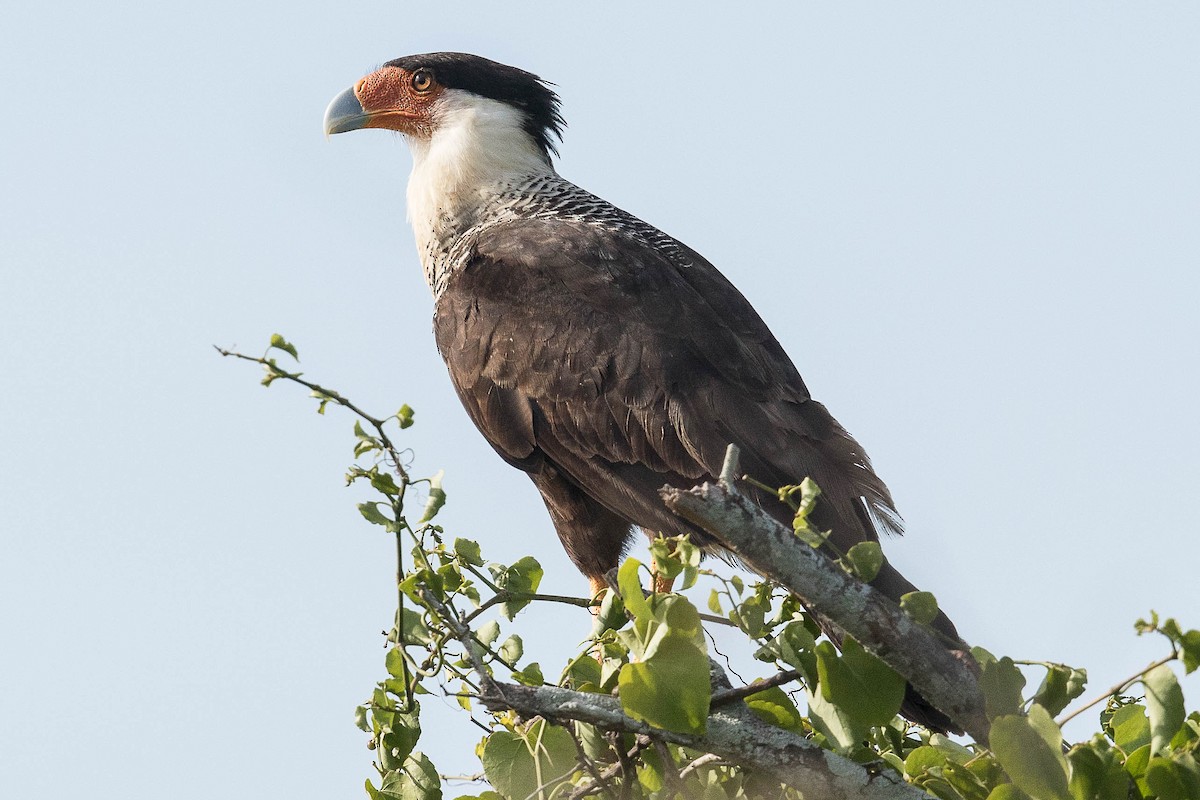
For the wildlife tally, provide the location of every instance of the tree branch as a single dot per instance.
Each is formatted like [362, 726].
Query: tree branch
[1117, 688]
[734, 732]
[944, 677]
[724, 696]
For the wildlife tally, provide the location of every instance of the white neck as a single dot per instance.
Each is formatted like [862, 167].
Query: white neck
[477, 145]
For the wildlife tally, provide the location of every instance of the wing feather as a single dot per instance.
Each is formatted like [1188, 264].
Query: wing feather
[634, 369]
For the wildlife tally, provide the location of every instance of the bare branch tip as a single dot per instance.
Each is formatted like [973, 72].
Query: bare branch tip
[729, 470]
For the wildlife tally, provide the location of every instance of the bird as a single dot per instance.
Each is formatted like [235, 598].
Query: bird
[597, 354]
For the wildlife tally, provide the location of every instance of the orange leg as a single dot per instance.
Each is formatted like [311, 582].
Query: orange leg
[599, 585]
[662, 584]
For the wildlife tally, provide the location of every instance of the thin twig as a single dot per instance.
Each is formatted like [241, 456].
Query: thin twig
[1118, 688]
[503, 596]
[588, 764]
[607, 775]
[628, 768]
[670, 770]
[708, 759]
[324, 394]
[741, 692]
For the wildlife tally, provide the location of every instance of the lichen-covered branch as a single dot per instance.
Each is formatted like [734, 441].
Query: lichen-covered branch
[733, 732]
[944, 677]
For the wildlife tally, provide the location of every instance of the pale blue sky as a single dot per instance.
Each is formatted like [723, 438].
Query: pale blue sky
[974, 229]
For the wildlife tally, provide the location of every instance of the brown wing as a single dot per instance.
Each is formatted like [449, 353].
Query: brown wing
[586, 350]
[605, 369]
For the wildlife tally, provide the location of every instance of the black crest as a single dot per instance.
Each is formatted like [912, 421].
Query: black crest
[496, 81]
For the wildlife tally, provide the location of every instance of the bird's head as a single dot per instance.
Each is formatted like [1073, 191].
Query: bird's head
[437, 94]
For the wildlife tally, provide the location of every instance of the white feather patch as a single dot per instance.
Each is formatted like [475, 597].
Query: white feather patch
[478, 146]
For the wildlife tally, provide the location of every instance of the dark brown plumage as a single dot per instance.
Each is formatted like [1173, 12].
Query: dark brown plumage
[594, 352]
[605, 384]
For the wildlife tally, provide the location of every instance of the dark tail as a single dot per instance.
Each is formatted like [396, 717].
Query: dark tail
[915, 707]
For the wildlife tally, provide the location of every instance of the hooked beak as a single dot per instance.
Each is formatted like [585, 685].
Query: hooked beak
[345, 113]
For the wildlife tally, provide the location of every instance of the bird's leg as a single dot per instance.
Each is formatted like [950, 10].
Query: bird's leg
[599, 586]
[662, 584]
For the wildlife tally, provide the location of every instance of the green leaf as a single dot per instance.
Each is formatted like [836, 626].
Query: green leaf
[674, 556]
[1164, 705]
[468, 551]
[964, 781]
[451, 575]
[394, 661]
[1189, 647]
[595, 745]
[1006, 791]
[372, 514]
[399, 737]
[512, 649]
[1001, 683]
[1095, 776]
[1030, 750]
[797, 649]
[809, 492]
[405, 416]
[1130, 728]
[670, 690]
[922, 759]
[1167, 781]
[953, 750]
[279, 343]
[810, 535]
[921, 606]
[523, 577]
[650, 771]
[1136, 764]
[714, 602]
[437, 498]
[418, 781]
[325, 396]
[530, 676]
[488, 632]
[859, 683]
[582, 671]
[773, 705]
[674, 616]
[665, 561]
[843, 730]
[1059, 687]
[752, 615]
[866, 558]
[360, 719]
[611, 615]
[630, 585]
[1188, 733]
[383, 482]
[517, 763]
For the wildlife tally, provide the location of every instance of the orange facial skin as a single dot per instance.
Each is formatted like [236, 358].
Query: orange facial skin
[397, 99]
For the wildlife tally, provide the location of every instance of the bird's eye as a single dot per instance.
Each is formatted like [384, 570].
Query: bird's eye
[422, 80]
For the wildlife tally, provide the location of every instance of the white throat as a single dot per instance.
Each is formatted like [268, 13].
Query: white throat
[478, 146]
